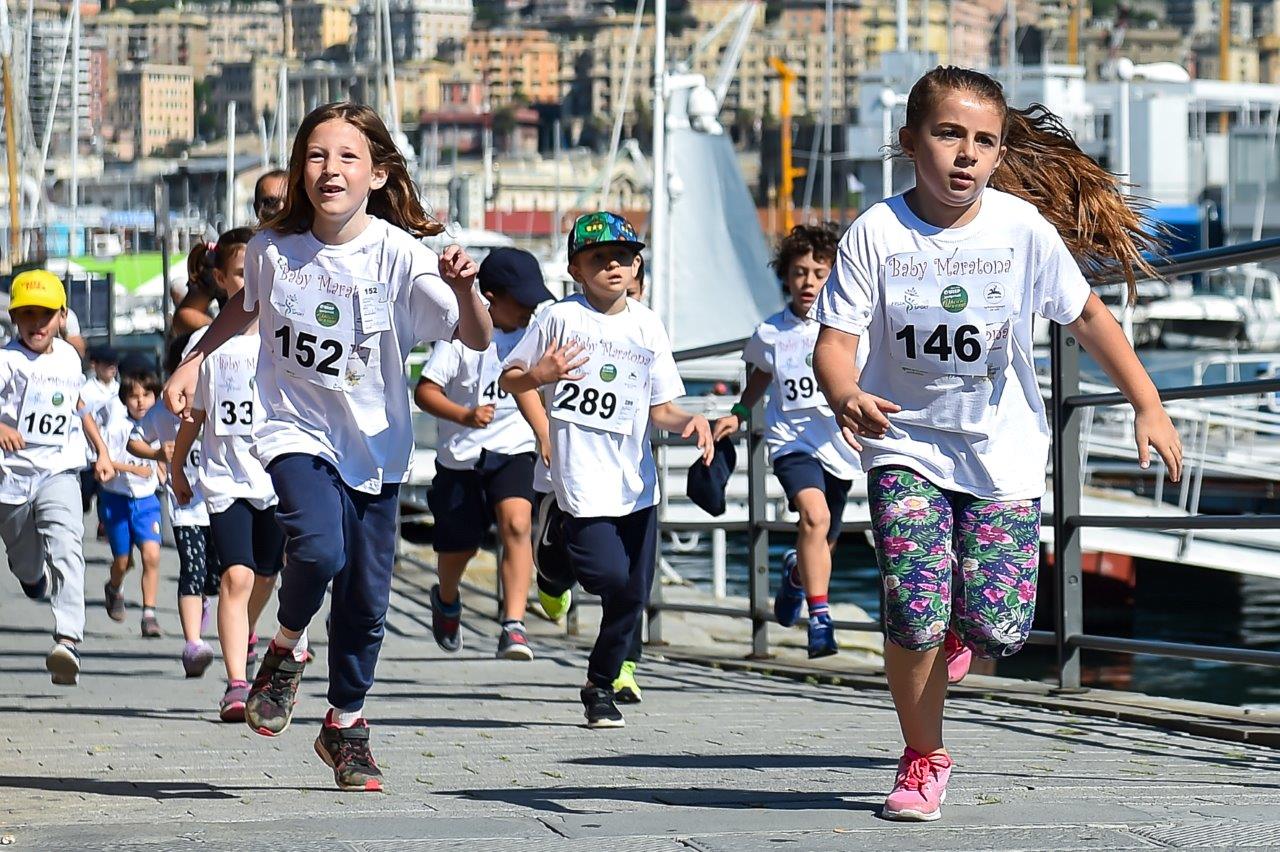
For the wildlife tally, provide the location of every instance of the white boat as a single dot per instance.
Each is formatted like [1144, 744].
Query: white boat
[1237, 305]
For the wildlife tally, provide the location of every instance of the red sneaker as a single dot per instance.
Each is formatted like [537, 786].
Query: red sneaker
[958, 657]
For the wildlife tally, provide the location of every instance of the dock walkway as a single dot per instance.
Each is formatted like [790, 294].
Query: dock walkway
[483, 754]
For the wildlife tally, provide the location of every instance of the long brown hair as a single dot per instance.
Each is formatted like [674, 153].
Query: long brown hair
[1042, 164]
[397, 200]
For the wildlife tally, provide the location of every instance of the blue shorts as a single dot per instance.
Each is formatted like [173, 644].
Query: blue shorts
[798, 471]
[129, 521]
[462, 501]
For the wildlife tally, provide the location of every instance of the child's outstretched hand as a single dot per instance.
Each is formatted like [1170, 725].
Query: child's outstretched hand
[103, 469]
[559, 362]
[863, 415]
[1153, 428]
[181, 486]
[726, 426]
[479, 417]
[10, 439]
[698, 424]
[457, 268]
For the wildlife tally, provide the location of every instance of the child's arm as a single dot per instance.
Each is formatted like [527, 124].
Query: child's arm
[231, 320]
[475, 328]
[103, 469]
[533, 411]
[1101, 336]
[187, 432]
[835, 367]
[143, 450]
[673, 418]
[431, 398]
[557, 362]
[757, 384]
[10, 439]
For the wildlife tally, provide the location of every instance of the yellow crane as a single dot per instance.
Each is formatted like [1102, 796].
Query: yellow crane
[786, 189]
[10, 135]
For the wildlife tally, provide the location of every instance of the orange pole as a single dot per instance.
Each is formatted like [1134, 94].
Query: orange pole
[786, 189]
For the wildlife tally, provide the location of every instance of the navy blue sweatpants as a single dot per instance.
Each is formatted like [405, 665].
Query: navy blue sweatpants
[336, 534]
[614, 558]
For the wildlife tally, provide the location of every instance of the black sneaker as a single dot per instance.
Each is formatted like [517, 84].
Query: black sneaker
[113, 599]
[513, 643]
[346, 751]
[446, 622]
[274, 692]
[601, 711]
[39, 589]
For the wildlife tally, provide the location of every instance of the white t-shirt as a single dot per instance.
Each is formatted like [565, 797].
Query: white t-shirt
[949, 314]
[117, 427]
[337, 323]
[95, 394]
[227, 393]
[797, 418]
[160, 426]
[601, 461]
[39, 395]
[470, 378]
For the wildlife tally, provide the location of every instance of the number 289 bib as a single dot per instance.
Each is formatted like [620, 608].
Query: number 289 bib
[949, 311]
[615, 381]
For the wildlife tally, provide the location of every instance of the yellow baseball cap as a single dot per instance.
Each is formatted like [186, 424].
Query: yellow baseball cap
[37, 288]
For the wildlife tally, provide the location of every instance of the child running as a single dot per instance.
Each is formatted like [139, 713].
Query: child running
[155, 438]
[43, 426]
[128, 506]
[607, 372]
[344, 291]
[554, 574]
[945, 280]
[484, 456]
[102, 387]
[239, 494]
[814, 463]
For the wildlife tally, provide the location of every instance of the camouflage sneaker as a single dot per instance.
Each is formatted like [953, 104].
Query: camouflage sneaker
[274, 692]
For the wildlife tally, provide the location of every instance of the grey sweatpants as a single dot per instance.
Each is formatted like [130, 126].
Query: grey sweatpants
[49, 531]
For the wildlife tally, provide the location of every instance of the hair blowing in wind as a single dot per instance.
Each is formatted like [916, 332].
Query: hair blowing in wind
[1043, 164]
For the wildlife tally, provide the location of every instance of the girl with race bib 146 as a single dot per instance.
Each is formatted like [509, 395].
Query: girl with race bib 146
[815, 465]
[605, 366]
[344, 291]
[944, 280]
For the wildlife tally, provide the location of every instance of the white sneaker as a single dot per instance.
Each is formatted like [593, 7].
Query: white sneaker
[63, 663]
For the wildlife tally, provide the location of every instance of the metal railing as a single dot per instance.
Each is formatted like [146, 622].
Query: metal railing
[1067, 405]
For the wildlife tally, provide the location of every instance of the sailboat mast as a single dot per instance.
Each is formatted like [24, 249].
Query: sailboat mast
[75, 126]
[659, 213]
[10, 134]
[826, 111]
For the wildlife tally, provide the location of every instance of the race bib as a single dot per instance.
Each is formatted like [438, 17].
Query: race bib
[192, 465]
[615, 381]
[949, 311]
[793, 365]
[487, 390]
[234, 401]
[45, 418]
[319, 317]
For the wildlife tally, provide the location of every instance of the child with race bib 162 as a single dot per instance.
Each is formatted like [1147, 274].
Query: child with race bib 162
[815, 465]
[945, 280]
[605, 365]
[344, 291]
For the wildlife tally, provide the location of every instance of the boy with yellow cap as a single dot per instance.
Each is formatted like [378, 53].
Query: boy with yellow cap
[43, 427]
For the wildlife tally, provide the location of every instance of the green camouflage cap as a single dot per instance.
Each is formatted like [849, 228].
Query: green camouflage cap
[602, 228]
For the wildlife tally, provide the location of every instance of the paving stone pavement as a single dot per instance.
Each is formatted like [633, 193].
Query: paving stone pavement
[483, 754]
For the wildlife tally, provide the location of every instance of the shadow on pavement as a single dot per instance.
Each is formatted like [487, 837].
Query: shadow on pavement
[552, 799]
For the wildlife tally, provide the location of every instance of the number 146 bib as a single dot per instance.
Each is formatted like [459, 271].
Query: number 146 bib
[948, 311]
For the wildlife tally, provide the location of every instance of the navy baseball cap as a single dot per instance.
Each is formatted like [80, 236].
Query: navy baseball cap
[706, 482]
[515, 272]
[104, 355]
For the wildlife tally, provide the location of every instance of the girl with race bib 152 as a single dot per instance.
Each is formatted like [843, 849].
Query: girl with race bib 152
[944, 280]
[344, 290]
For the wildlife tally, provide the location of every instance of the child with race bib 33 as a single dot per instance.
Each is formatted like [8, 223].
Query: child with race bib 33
[605, 365]
[484, 456]
[945, 280]
[344, 290]
[814, 463]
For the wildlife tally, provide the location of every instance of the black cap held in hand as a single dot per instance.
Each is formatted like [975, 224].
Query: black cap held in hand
[706, 483]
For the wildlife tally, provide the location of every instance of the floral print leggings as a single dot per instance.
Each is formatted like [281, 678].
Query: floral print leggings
[923, 533]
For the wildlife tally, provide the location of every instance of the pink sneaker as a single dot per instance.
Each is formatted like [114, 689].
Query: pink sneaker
[958, 657]
[921, 787]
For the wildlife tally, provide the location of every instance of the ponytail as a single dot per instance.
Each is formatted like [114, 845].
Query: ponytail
[1101, 226]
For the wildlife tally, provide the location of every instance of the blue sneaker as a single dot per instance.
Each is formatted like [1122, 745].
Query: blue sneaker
[822, 636]
[786, 606]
